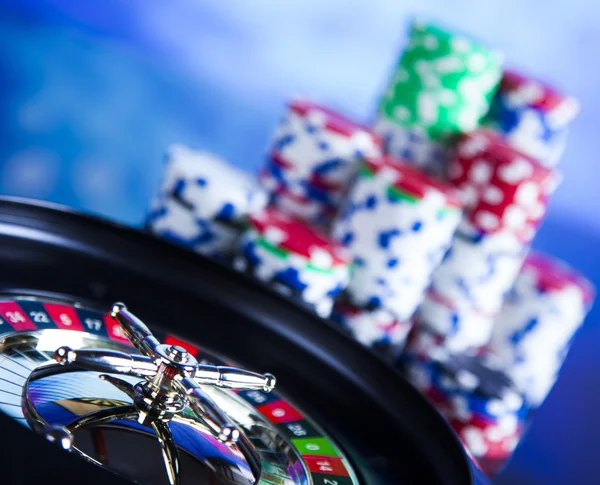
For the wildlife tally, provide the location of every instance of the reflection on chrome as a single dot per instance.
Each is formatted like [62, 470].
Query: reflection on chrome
[125, 445]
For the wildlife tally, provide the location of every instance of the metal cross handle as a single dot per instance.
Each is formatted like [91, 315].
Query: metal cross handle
[172, 378]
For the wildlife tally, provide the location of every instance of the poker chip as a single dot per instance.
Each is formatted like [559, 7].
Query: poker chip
[295, 259]
[378, 329]
[203, 202]
[506, 195]
[464, 388]
[397, 224]
[312, 159]
[479, 402]
[442, 86]
[463, 328]
[501, 187]
[305, 201]
[538, 322]
[491, 444]
[533, 116]
[174, 221]
[469, 286]
[412, 144]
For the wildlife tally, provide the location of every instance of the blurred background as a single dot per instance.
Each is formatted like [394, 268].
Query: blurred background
[91, 93]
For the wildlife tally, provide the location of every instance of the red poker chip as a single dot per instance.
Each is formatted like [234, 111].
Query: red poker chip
[553, 274]
[502, 187]
[297, 237]
[334, 121]
[413, 180]
[496, 148]
[501, 447]
[548, 98]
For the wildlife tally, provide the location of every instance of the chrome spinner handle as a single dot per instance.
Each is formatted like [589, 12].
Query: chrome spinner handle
[171, 379]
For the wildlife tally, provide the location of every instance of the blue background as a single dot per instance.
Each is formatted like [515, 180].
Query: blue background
[91, 93]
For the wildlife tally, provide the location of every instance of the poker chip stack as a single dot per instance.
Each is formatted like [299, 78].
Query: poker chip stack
[442, 87]
[312, 160]
[532, 116]
[538, 321]
[378, 328]
[295, 259]
[203, 202]
[397, 223]
[479, 402]
[357, 225]
[505, 194]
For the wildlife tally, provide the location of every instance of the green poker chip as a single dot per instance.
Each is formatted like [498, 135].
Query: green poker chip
[443, 84]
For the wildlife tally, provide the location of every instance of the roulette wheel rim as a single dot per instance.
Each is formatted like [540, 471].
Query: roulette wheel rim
[46, 248]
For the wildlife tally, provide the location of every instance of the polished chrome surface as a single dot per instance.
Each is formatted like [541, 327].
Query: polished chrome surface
[60, 436]
[171, 392]
[90, 401]
[125, 443]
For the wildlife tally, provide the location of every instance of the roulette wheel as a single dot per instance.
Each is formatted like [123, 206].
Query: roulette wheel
[175, 384]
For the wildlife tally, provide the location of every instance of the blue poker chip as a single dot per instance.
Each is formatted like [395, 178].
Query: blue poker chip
[280, 179]
[203, 202]
[313, 159]
[413, 145]
[175, 222]
[485, 392]
[532, 116]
